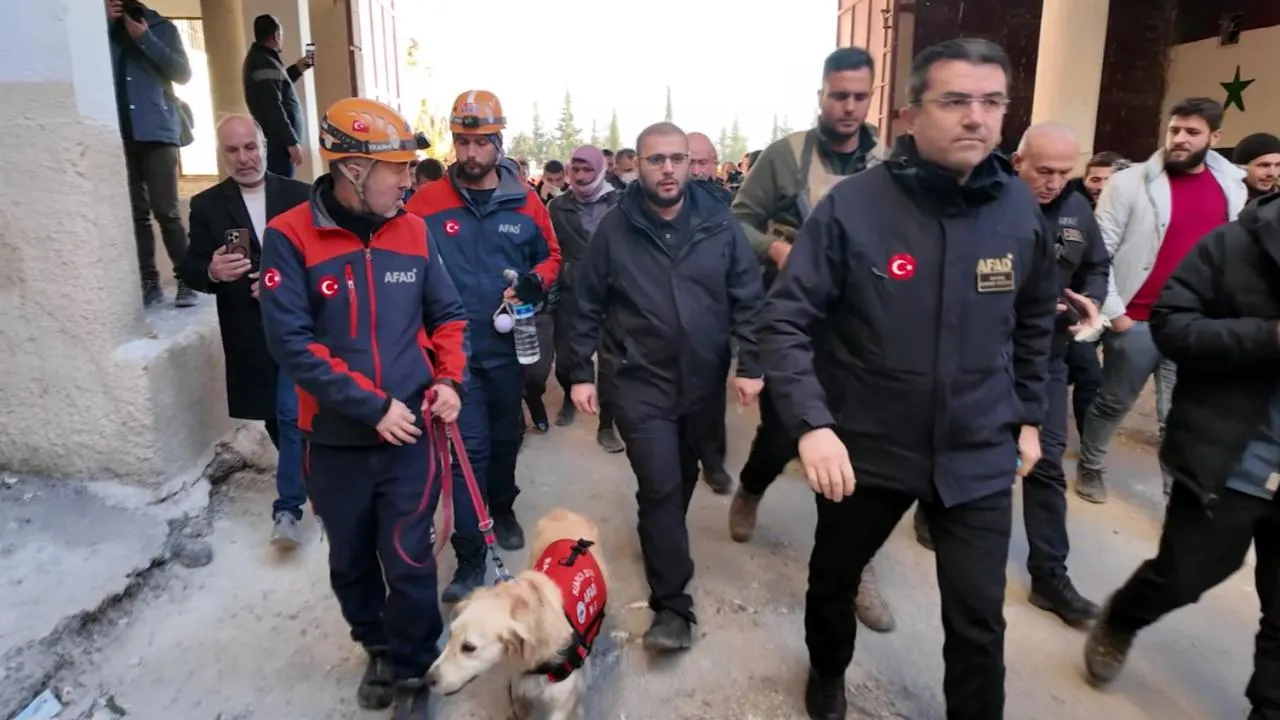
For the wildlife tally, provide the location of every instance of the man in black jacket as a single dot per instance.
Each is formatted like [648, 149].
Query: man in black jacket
[243, 204]
[669, 278]
[907, 338]
[1217, 318]
[269, 94]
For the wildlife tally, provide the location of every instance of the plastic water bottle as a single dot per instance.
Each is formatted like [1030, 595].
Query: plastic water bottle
[526, 335]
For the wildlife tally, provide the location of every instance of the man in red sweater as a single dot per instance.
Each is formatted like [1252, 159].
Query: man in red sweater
[1151, 215]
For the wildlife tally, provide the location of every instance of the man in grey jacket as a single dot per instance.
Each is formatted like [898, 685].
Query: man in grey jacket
[147, 58]
[1151, 215]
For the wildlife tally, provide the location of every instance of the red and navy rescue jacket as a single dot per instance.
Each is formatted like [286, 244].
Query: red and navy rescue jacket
[356, 323]
[573, 568]
[477, 243]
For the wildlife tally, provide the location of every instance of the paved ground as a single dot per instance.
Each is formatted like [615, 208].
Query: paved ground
[256, 635]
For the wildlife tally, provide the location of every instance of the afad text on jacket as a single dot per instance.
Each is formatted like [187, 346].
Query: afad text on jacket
[477, 243]
[357, 322]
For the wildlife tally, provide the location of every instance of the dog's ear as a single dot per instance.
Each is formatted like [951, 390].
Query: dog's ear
[516, 640]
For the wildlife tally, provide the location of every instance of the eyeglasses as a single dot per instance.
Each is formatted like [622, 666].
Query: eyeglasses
[990, 104]
[657, 161]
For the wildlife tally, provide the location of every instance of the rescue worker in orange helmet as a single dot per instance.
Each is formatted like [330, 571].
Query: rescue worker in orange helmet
[486, 221]
[358, 308]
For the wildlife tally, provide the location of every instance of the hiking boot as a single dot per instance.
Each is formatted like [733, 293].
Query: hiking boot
[742, 515]
[471, 569]
[922, 530]
[565, 417]
[507, 530]
[824, 698]
[608, 439]
[1060, 597]
[152, 294]
[720, 482]
[1089, 485]
[413, 700]
[870, 606]
[1105, 651]
[286, 535]
[375, 685]
[668, 632]
[186, 297]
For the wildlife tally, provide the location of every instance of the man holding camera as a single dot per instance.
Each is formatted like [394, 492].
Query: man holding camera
[270, 97]
[226, 220]
[147, 59]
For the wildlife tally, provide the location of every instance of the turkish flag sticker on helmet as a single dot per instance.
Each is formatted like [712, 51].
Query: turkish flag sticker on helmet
[271, 279]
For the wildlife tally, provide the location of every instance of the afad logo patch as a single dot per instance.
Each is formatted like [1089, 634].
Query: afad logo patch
[271, 279]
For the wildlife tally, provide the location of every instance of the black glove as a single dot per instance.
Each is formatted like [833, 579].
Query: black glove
[529, 289]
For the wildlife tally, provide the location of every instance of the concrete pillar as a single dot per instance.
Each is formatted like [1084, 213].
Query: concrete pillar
[330, 23]
[1073, 35]
[225, 43]
[295, 20]
[90, 387]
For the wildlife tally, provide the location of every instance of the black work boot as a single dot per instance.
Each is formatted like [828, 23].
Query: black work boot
[607, 437]
[507, 530]
[413, 700]
[720, 482]
[1090, 485]
[565, 417]
[1105, 651]
[152, 294]
[375, 691]
[1059, 596]
[537, 413]
[470, 572]
[668, 632]
[824, 698]
[922, 530]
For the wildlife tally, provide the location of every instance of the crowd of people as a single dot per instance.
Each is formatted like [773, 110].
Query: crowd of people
[912, 319]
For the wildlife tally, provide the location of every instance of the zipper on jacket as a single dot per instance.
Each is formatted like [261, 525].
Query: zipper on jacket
[373, 318]
[352, 308]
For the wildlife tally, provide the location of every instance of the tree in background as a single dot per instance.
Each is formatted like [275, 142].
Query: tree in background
[670, 114]
[614, 140]
[735, 144]
[780, 130]
[595, 135]
[435, 127]
[567, 136]
[522, 146]
[540, 142]
[722, 145]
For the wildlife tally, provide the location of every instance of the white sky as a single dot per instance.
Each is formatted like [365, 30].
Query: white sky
[722, 58]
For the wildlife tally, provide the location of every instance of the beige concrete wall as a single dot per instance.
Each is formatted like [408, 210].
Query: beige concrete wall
[1200, 68]
[329, 22]
[90, 386]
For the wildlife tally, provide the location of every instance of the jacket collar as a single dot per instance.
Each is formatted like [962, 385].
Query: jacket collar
[1222, 169]
[938, 190]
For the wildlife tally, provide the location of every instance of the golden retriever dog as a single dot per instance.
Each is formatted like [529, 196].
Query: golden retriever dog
[538, 628]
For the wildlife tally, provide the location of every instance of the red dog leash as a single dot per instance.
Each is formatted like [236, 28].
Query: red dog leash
[439, 436]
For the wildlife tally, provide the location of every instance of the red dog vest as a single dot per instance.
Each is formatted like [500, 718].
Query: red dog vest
[572, 567]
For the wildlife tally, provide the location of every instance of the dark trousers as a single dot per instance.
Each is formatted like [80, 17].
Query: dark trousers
[1044, 490]
[152, 172]
[972, 545]
[1197, 552]
[359, 494]
[712, 442]
[771, 450]
[663, 452]
[278, 160]
[562, 339]
[492, 426]
[535, 375]
[1084, 373]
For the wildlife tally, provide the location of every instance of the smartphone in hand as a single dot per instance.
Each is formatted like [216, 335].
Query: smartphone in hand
[238, 242]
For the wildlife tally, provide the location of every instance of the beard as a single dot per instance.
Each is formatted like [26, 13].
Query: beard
[1195, 159]
[474, 170]
[652, 194]
[833, 135]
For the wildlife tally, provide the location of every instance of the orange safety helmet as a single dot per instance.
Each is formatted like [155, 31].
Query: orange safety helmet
[356, 127]
[477, 112]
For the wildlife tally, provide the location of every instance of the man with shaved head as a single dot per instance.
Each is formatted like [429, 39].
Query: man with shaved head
[1045, 161]
[667, 281]
[224, 219]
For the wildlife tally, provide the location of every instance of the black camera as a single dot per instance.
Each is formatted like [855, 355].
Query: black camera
[134, 9]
